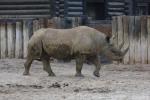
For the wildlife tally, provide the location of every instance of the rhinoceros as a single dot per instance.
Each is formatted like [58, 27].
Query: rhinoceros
[79, 43]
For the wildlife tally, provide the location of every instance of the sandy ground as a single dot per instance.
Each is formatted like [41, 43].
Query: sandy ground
[117, 82]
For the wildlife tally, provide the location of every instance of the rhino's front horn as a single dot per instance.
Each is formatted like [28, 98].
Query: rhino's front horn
[114, 36]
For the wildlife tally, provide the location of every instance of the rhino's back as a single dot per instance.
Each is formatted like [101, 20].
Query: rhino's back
[65, 42]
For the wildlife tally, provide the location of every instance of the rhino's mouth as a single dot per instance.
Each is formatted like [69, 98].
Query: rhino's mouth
[113, 53]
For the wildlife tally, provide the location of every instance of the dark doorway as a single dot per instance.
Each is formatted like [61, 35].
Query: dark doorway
[96, 10]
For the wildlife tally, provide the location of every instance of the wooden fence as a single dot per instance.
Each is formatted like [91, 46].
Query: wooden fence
[15, 34]
[133, 31]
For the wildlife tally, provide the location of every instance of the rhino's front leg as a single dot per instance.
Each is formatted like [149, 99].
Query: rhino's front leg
[79, 64]
[97, 63]
[47, 67]
[27, 65]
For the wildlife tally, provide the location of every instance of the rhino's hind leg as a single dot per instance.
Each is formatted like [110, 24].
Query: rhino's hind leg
[96, 61]
[46, 66]
[27, 66]
[79, 64]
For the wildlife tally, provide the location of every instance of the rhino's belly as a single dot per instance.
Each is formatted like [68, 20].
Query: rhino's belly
[58, 51]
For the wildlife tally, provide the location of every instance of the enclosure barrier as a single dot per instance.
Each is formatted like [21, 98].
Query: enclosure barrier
[15, 34]
[133, 31]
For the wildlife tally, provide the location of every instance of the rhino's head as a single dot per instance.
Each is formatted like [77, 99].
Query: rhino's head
[114, 53]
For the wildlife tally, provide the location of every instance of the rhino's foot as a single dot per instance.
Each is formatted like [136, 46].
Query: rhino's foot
[26, 73]
[96, 74]
[51, 74]
[79, 75]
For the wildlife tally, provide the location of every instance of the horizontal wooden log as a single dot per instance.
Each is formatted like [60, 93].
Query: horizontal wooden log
[24, 12]
[116, 3]
[23, 16]
[23, 2]
[116, 10]
[21, 7]
[74, 3]
[76, 8]
[75, 13]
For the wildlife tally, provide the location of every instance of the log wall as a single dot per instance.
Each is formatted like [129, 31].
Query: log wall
[15, 33]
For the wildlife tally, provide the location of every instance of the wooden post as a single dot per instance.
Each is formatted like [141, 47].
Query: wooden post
[25, 37]
[11, 39]
[76, 21]
[120, 30]
[114, 39]
[35, 25]
[148, 28]
[137, 46]
[57, 21]
[41, 23]
[19, 40]
[3, 40]
[144, 39]
[50, 23]
[131, 37]
[126, 37]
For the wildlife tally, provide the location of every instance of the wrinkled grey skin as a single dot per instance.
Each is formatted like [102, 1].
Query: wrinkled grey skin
[80, 43]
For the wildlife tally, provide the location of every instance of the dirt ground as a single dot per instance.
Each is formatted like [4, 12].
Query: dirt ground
[117, 82]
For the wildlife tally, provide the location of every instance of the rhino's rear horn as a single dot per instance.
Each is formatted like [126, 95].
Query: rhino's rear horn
[125, 51]
[121, 45]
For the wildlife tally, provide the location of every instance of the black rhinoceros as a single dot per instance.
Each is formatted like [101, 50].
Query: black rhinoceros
[79, 43]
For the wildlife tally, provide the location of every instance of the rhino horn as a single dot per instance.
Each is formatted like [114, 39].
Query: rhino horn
[121, 45]
[125, 51]
[114, 36]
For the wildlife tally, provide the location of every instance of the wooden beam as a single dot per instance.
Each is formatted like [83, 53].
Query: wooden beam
[144, 36]
[137, 34]
[120, 30]
[148, 29]
[131, 39]
[3, 36]
[11, 39]
[114, 32]
[19, 40]
[25, 37]
[35, 25]
[126, 38]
